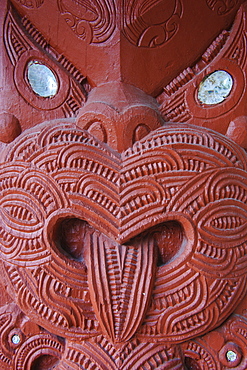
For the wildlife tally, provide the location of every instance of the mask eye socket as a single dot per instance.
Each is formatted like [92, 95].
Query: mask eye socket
[168, 238]
[71, 236]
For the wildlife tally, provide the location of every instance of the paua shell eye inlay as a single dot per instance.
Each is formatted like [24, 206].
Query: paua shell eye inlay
[215, 88]
[15, 339]
[41, 79]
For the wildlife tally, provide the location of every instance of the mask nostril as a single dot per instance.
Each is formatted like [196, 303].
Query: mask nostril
[168, 239]
[70, 237]
[45, 362]
[191, 364]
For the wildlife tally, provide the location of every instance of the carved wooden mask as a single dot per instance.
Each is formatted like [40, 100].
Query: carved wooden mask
[123, 182]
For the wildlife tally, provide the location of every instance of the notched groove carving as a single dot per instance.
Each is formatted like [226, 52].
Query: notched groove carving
[24, 43]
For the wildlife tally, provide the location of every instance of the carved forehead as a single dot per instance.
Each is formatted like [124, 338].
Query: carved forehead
[157, 35]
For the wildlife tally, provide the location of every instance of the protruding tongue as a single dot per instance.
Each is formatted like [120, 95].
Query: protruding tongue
[120, 283]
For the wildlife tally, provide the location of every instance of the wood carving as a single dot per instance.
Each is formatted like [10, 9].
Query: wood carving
[96, 21]
[71, 93]
[31, 3]
[221, 6]
[123, 237]
[53, 190]
[227, 52]
[93, 21]
[151, 23]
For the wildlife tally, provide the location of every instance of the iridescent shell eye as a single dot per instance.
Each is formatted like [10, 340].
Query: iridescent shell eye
[41, 79]
[215, 88]
[15, 339]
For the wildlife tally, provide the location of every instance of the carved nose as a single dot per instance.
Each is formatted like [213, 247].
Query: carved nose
[119, 114]
[120, 279]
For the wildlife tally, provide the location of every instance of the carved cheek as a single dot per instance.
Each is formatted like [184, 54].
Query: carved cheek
[201, 290]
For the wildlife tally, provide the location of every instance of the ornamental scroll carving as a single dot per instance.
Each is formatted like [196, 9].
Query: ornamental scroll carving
[122, 235]
[32, 4]
[172, 233]
[96, 21]
[221, 6]
[151, 23]
[93, 22]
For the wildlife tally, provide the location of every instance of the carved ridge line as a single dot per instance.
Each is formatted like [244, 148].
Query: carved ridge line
[12, 37]
[188, 73]
[60, 58]
[197, 348]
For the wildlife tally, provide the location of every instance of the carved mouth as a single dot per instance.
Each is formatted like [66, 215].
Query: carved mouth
[120, 276]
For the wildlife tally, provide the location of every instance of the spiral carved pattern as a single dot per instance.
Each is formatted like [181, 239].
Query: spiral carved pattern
[153, 234]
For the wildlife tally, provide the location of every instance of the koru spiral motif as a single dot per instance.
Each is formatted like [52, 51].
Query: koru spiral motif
[152, 241]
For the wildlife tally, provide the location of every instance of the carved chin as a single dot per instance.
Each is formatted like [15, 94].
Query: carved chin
[142, 237]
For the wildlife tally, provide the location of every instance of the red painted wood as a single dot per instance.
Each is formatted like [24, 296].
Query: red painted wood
[123, 197]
